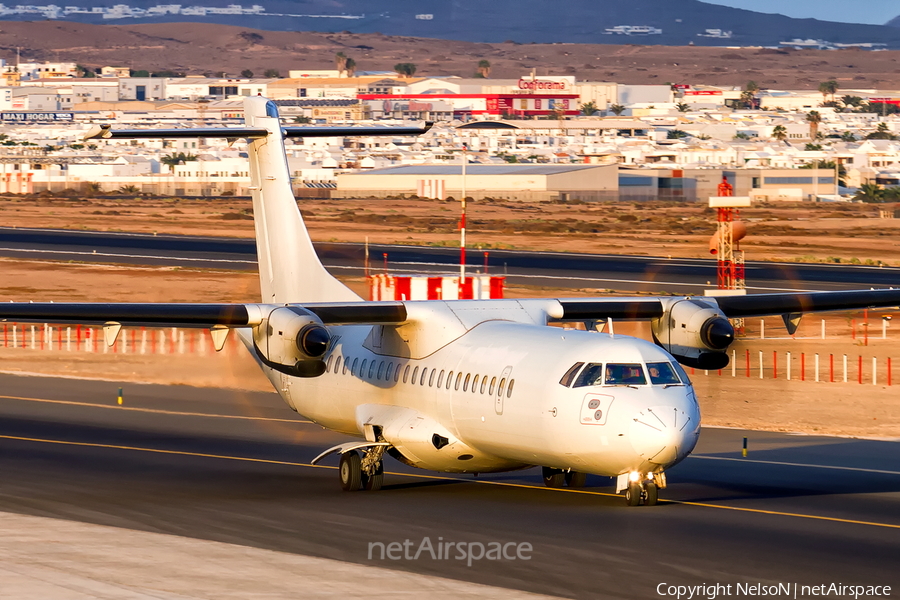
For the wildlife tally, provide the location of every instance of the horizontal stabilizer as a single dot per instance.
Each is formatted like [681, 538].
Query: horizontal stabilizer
[631, 309]
[106, 132]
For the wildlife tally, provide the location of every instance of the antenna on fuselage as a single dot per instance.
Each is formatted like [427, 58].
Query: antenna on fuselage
[612, 333]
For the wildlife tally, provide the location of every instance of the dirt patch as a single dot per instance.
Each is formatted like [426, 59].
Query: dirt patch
[803, 232]
[229, 49]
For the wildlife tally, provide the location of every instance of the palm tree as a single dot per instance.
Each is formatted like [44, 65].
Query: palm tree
[484, 68]
[780, 133]
[588, 108]
[617, 109]
[748, 96]
[350, 67]
[828, 88]
[129, 189]
[814, 119]
[682, 107]
[869, 192]
[848, 136]
[340, 63]
[405, 70]
[176, 158]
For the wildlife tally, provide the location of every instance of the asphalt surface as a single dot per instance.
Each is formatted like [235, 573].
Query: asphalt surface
[233, 466]
[548, 269]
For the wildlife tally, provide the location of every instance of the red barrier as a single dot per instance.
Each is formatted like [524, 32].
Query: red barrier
[859, 369]
[802, 366]
[748, 363]
[831, 368]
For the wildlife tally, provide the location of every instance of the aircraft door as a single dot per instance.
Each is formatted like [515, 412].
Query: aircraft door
[500, 391]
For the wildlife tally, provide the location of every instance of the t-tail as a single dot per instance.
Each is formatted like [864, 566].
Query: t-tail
[289, 269]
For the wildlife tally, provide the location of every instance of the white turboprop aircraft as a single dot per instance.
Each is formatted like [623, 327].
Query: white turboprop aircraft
[461, 386]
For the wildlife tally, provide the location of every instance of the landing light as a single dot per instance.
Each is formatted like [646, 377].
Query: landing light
[634, 476]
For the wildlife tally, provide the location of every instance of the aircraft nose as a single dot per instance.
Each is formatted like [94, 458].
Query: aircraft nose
[664, 434]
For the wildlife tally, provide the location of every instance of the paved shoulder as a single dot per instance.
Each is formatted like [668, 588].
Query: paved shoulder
[56, 559]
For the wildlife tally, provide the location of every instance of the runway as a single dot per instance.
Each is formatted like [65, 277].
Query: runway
[547, 269]
[232, 466]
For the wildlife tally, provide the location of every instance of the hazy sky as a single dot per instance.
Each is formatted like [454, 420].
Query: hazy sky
[869, 11]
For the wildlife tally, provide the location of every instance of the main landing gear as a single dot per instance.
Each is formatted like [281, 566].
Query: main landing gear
[362, 473]
[556, 478]
[642, 489]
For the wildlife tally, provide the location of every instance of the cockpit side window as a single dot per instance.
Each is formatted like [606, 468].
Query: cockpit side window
[682, 373]
[591, 375]
[625, 374]
[662, 373]
[569, 377]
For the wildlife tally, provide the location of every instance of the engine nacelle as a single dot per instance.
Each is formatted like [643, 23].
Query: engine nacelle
[293, 341]
[695, 332]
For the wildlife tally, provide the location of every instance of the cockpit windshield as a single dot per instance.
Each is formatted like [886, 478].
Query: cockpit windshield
[591, 374]
[625, 374]
[662, 373]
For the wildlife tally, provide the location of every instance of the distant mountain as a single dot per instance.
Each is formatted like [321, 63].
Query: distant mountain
[895, 22]
[580, 21]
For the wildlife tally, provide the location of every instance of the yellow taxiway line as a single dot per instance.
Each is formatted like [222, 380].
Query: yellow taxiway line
[443, 478]
[150, 410]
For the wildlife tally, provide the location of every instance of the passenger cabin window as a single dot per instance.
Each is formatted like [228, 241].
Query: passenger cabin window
[662, 373]
[389, 371]
[328, 364]
[458, 378]
[431, 378]
[353, 370]
[424, 374]
[362, 368]
[484, 381]
[380, 370]
[405, 373]
[337, 365]
[591, 375]
[475, 384]
[625, 374]
[493, 384]
[502, 386]
[567, 379]
[440, 380]
[397, 373]
[466, 382]
[512, 382]
[449, 379]
[372, 370]
[415, 375]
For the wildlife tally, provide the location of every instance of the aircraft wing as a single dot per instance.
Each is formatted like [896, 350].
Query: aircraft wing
[753, 305]
[194, 315]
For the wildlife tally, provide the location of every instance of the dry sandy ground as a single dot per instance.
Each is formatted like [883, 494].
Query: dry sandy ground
[799, 232]
[196, 48]
[775, 404]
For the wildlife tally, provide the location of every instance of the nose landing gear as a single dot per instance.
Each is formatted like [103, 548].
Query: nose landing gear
[640, 488]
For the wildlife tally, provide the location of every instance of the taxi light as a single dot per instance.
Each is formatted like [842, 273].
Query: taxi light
[634, 476]
[650, 476]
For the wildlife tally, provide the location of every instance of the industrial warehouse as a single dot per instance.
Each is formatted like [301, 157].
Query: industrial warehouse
[519, 182]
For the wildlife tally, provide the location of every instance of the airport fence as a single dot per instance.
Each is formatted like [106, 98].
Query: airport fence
[142, 340]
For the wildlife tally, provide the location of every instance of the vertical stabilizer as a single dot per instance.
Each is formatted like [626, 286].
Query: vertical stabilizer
[289, 269]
